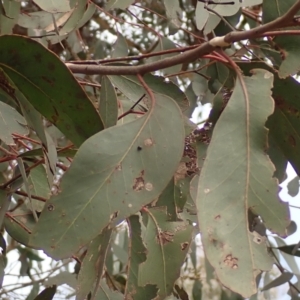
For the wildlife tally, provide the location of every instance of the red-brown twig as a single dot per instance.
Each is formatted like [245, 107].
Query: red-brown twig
[191, 55]
[131, 109]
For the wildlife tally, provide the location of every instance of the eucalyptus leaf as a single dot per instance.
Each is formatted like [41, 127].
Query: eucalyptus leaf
[53, 6]
[172, 241]
[45, 83]
[224, 198]
[138, 255]
[11, 122]
[108, 106]
[122, 4]
[119, 163]
[93, 265]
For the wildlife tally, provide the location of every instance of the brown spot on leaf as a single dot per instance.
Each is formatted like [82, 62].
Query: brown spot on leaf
[292, 141]
[149, 186]
[139, 182]
[293, 111]
[279, 102]
[38, 57]
[218, 217]
[50, 207]
[51, 66]
[118, 167]
[80, 106]
[6, 86]
[231, 262]
[113, 216]
[164, 237]
[48, 80]
[54, 119]
[184, 245]
[181, 171]
[148, 142]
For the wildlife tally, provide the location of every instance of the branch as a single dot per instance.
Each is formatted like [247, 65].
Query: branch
[260, 30]
[186, 57]
[191, 55]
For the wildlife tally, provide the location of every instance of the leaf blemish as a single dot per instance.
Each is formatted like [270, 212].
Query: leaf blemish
[113, 216]
[149, 186]
[118, 167]
[231, 261]
[184, 245]
[50, 207]
[148, 142]
[38, 57]
[164, 237]
[48, 80]
[292, 141]
[51, 66]
[139, 182]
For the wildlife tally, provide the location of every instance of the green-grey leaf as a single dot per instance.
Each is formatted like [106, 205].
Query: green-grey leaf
[113, 175]
[34, 291]
[39, 186]
[132, 88]
[286, 255]
[168, 198]
[3, 259]
[104, 293]
[49, 86]
[243, 181]
[284, 122]
[11, 122]
[47, 294]
[93, 263]
[290, 249]
[22, 168]
[283, 278]
[293, 186]
[54, 6]
[33, 117]
[64, 277]
[172, 9]
[50, 156]
[273, 9]
[61, 152]
[20, 224]
[122, 4]
[38, 19]
[278, 158]
[192, 101]
[167, 244]
[81, 13]
[289, 45]
[9, 12]
[163, 44]
[138, 254]
[120, 48]
[108, 105]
